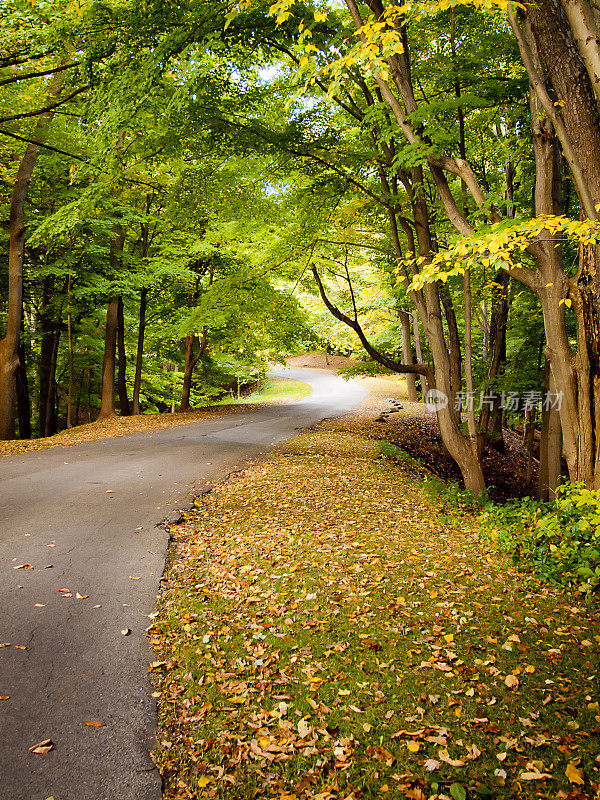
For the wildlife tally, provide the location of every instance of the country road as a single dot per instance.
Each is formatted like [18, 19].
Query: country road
[72, 627]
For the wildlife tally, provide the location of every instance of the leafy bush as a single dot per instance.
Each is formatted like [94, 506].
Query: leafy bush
[560, 540]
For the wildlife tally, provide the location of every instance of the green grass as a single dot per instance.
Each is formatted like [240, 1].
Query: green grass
[330, 629]
[279, 390]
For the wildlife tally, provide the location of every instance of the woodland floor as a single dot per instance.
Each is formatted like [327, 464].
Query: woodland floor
[332, 626]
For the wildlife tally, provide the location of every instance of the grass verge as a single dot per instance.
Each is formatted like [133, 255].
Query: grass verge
[329, 630]
[279, 390]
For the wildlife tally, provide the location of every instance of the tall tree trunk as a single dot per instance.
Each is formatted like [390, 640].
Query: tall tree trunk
[408, 355]
[140, 352]
[50, 326]
[23, 399]
[490, 420]
[51, 417]
[419, 352]
[549, 43]
[70, 346]
[122, 370]
[9, 345]
[469, 359]
[107, 405]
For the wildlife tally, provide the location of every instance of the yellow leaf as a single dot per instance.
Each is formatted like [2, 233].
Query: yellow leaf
[573, 774]
[413, 747]
[238, 699]
[203, 782]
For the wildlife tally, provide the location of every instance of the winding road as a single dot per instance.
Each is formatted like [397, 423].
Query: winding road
[72, 627]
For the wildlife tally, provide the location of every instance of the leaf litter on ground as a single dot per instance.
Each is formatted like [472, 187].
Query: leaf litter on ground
[329, 630]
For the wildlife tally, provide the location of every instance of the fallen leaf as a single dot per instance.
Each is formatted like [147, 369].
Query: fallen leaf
[42, 747]
[5, 697]
[23, 566]
[93, 723]
[573, 774]
[534, 776]
[81, 596]
[512, 681]
[126, 631]
[431, 764]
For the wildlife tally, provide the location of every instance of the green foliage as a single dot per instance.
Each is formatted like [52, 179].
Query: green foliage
[368, 368]
[560, 541]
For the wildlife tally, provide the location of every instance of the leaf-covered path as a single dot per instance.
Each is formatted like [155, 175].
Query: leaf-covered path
[329, 628]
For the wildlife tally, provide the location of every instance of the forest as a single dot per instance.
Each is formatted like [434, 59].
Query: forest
[191, 191]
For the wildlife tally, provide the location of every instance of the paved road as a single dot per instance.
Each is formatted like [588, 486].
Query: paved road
[85, 518]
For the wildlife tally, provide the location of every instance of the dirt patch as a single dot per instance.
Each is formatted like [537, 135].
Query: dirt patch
[322, 361]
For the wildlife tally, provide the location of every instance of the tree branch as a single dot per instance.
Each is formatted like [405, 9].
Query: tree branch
[26, 75]
[395, 366]
[38, 112]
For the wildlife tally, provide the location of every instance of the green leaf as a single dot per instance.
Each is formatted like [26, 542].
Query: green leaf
[458, 792]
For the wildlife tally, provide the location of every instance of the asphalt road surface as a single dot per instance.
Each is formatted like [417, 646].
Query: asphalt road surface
[85, 518]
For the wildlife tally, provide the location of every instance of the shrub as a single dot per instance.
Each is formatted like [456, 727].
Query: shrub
[559, 540]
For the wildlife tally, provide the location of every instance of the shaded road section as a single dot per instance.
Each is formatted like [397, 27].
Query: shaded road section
[72, 627]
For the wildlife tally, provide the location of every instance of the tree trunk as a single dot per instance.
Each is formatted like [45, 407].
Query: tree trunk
[70, 346]
[418, 351]
[23, 399]
[490, 420]
[140, 352]
[107, 406]
[469, 359]
[191, 359]
[408, 355]
[9, 345]
[550, 441]
[122, 370]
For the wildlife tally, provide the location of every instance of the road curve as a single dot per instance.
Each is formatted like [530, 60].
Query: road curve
[85, 518]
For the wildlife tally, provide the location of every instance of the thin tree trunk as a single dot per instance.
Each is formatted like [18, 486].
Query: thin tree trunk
[469, 360]
[191, 360]
[70, 344]
[408, 355]
[51, 419]
[107, 405]
[122, 369]
[23, 399]
[418, 351]
[137, 382]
